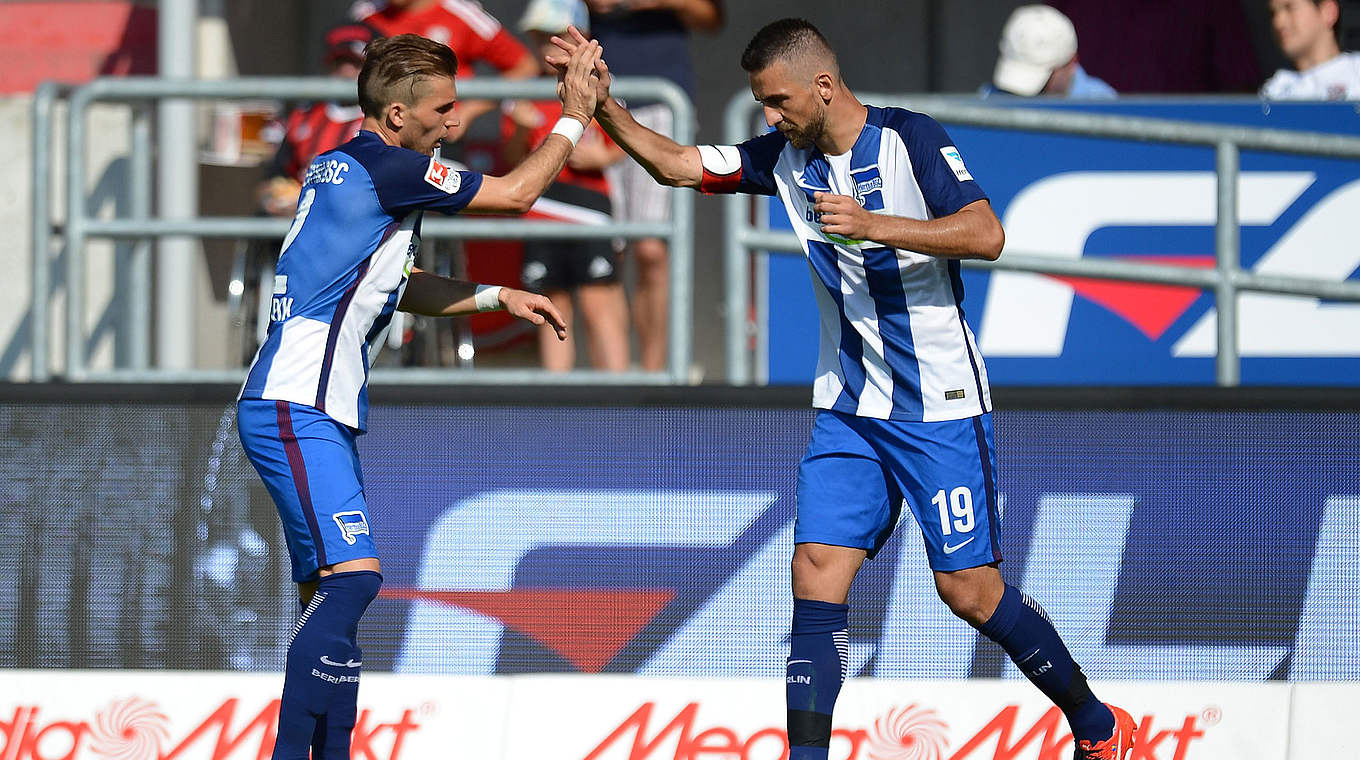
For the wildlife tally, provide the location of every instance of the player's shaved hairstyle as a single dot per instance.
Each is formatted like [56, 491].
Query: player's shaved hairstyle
[791, 40]
[394, 67]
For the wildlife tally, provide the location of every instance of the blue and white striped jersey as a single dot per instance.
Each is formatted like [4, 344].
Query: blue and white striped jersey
[343, 269]
[894, 343]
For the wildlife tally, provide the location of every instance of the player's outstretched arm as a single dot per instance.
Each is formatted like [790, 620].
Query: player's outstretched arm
[972, 232]
[669, 162]
[516, 191]
[432, 295]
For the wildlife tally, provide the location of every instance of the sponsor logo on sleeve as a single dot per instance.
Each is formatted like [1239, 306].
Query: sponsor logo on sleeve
[443, 177]
[955, 161]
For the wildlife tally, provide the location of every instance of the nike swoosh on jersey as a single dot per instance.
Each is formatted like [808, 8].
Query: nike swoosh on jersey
[951, 549]
[351, 664]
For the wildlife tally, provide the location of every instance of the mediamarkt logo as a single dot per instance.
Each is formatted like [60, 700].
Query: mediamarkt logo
[908, 733]
[138, 729]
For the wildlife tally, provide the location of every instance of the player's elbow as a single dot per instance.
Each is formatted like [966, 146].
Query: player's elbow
[681, 167]
[518, 199]
[991, 238]
[993, 242]
[520, 205]
[671, 178]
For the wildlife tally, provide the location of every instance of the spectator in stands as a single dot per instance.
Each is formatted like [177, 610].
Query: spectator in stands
[650, 38]
[473, 34]
[1165, 46]
[1039, 57]
[314, 128]
[1308, 33]
[585, 268]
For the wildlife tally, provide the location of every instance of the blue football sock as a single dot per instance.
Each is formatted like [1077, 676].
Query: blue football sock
[819, 647]
[321, 677]
[1023, 629]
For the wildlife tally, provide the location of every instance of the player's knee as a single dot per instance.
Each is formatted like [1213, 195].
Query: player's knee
[803, 568]
[969, 602]
[809, 565]
[360, 587]
[822, 575]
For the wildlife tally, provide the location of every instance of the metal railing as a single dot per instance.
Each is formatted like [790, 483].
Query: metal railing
[141, 226]
[1225, 280]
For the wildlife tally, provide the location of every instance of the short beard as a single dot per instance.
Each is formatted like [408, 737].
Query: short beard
[809, 135]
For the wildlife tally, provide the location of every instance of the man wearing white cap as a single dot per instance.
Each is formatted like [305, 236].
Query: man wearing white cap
[1039, 57]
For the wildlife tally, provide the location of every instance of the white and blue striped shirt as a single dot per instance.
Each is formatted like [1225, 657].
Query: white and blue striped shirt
[343, 269]
[894, 343]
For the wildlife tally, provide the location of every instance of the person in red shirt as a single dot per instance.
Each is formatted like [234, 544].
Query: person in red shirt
[463, 25]
[314, 128]
[587, 269]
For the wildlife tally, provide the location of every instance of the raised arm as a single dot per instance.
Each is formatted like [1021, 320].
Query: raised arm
[669, 162]
[517, 190]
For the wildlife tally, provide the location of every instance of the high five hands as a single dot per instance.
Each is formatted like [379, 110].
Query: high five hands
[575, 44]
[577, 78]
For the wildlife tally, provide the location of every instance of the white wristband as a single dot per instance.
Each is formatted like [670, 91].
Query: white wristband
[570, 129]
[488, 297]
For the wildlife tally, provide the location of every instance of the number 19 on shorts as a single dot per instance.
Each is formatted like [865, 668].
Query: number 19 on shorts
[956, 510]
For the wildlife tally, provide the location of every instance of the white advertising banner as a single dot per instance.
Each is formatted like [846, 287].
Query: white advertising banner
[628, 718]
[1322, 720]
[123, 715]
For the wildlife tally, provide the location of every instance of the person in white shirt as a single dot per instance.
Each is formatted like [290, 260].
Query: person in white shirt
[1306, 31]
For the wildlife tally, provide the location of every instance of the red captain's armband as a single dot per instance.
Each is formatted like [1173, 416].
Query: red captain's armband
[722, 168]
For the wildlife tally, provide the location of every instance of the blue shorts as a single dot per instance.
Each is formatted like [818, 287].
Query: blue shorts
[857, 471]
[310, 464]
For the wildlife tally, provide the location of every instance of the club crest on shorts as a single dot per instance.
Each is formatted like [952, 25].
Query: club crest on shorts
[351, 525]
[443, 177]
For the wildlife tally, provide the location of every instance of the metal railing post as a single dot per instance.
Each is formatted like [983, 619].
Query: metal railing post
[1227, 233]
[681, 249]
[177, 262]
[137, 328]
[75, 233]
[44, 99]
[737, 270]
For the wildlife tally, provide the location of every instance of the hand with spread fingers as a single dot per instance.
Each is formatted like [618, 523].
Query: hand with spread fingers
[842, 216]
[577, 80]
[570, 46]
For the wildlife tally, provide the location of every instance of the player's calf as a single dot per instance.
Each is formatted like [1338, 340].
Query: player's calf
[321, 677]
[1023, 629]
[818, 650]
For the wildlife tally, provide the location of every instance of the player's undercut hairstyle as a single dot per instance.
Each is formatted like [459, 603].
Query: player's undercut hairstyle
[788, 39]
[395, 66]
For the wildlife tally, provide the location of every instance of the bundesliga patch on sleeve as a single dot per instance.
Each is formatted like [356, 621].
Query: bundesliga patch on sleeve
[446, 178]
[955, 161]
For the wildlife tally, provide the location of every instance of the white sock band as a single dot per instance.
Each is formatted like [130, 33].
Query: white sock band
[570, 129]
[488, 297]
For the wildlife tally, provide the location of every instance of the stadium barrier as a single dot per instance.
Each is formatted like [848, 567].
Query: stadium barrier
[142, 224]
[75, 715]
[743, 236]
